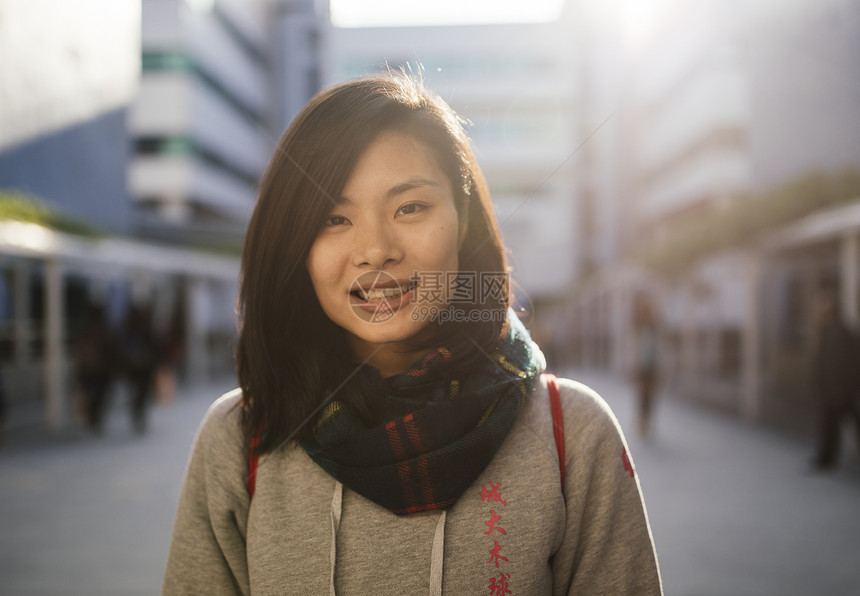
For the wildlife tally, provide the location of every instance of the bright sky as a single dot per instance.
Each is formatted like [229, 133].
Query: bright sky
[385, 13]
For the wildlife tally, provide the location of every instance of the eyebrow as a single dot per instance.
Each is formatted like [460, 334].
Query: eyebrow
[414, 182]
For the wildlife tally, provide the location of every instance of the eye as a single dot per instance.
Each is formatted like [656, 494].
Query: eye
[411, 208]
[336, 220]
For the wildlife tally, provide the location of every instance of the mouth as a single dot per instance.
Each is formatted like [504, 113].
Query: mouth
[387, 292]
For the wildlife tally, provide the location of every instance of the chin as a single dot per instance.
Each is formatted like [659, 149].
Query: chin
[398, 329]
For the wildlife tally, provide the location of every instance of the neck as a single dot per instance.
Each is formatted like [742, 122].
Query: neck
[389, 359]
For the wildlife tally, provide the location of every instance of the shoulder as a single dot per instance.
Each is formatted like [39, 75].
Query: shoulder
[226, 410]
[592, 435]
[221, 428]
[585, 413]
[219, 457]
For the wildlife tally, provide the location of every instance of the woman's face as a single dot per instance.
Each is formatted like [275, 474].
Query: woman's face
[381, 260]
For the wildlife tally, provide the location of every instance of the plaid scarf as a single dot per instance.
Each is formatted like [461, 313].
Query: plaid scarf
[432, 435]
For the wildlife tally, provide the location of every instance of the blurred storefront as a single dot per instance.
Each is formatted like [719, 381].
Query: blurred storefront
[820, 253]
[49, 279]
[751, 355]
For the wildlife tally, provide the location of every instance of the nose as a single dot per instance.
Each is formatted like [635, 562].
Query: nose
[376, 247]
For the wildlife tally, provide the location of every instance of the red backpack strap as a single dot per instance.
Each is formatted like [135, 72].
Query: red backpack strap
[253, 456]
[557, 421]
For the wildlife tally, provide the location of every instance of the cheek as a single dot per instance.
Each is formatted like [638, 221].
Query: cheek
[447, 246]
[436, 250]
[321, 269]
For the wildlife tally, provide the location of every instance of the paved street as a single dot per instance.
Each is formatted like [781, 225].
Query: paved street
[732, 509]
[85, 515]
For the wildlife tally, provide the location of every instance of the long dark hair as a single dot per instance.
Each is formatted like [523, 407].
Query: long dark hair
[289, 353]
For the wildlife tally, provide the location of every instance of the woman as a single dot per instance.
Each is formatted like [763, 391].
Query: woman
[392, 431]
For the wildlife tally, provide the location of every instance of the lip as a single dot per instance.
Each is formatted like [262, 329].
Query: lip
[380, 308]
[389, 306]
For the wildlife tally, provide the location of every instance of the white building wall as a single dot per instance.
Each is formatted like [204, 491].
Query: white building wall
[163, 105]
[177, 177]
[803, 63]
[218, 52]
[713, 100]
[298, 46]
[720, 173]
[161, 26]
[63, 63]
[690, 88]
[602, 124]
[217, 97]
[234, 137]
[250, 18]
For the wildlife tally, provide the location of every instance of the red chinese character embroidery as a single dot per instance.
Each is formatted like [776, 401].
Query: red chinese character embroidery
[499, 585]
[493, 494]
[492, 523]
[494, 554]
[627, 465]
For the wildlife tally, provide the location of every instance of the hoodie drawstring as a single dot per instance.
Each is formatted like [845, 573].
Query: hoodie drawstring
[437, 556]
[336, 510]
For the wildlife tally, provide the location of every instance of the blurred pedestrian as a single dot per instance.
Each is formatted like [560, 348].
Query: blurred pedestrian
[836, 379]
[140, 359]
[95, 361]
[171, 355]
[645, 371]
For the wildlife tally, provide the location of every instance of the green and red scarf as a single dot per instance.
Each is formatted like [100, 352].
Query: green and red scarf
[431, 435]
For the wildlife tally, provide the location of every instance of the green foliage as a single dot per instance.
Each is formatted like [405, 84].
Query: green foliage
[224, 248]
[19, 206]
[688, 241]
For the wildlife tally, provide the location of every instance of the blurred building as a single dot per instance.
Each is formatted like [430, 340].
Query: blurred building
[143, 172]
[727, 185]
[220, 82]
[66, 82]
[299, 47]
[201, 121]
[514, 85]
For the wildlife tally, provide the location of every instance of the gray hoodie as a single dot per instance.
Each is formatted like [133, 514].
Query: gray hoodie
[512, 532]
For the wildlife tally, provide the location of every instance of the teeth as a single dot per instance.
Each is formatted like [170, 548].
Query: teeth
[380, 294]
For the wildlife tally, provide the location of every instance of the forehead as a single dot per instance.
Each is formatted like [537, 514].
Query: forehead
[393, 158]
